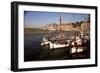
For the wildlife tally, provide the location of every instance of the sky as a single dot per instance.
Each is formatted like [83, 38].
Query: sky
[36, 19]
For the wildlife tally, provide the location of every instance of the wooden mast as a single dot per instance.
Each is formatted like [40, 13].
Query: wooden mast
[61, 33]
[60, 21]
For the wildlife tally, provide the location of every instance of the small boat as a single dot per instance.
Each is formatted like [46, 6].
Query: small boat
[53, 45]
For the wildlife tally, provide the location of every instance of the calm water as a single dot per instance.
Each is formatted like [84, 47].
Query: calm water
[35, 38]
[32, 46]
[33, 49]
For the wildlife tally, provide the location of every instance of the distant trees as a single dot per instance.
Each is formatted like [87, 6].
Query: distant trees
[31, 29]
[77, 23]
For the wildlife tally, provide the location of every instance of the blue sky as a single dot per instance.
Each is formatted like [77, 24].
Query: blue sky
[39, 19]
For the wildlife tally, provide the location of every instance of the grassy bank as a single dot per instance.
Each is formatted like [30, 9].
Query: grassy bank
[34, 31]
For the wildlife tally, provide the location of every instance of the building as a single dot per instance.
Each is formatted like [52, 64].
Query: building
[85, 26]
[63, 26]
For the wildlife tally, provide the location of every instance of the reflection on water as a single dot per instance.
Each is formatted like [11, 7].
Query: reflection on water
[33, 51]
[32, 46]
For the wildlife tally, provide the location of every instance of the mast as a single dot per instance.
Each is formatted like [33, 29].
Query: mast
[85, 24]
[60, 21]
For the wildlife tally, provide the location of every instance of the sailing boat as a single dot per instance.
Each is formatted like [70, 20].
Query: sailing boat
[58, 40]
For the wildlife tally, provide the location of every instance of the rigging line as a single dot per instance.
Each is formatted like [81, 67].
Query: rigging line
[73, 18]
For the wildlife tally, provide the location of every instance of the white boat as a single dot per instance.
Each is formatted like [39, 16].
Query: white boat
[56, 41]
[53, 45]
[58, 45]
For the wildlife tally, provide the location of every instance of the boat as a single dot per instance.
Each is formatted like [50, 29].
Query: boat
[56, 38]
[59, 38]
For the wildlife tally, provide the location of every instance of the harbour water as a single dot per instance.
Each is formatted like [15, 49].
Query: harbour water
[32, 47]
[33, 51]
